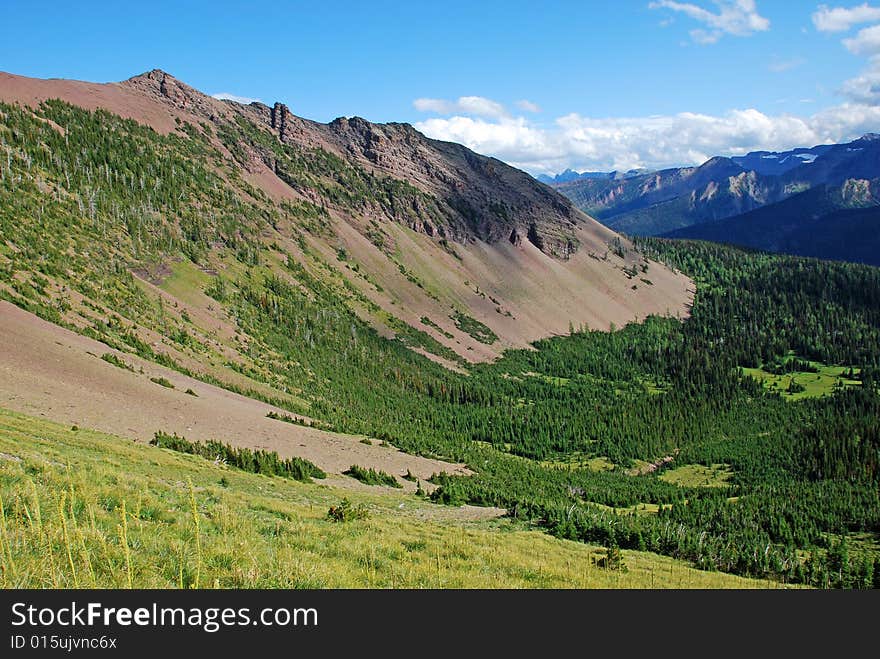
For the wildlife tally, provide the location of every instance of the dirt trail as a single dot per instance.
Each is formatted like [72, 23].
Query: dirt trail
[51, 372]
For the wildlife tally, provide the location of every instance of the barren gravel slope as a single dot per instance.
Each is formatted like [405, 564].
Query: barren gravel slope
[48, 371]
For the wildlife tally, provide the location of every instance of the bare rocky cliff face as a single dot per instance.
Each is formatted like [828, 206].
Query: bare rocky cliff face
[467, 196]
[491, 199]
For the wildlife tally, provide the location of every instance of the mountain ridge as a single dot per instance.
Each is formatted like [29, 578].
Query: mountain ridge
[826, 221]
[457, 254]
[397, 149]
[671, 200]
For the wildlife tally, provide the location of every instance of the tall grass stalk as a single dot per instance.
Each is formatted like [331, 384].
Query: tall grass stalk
[50, 554]
[38, 512]
[84, 552]
[123, 536]
[65, 533]
[180, 563]
[195, 516]
[5, 548]
[275, 537]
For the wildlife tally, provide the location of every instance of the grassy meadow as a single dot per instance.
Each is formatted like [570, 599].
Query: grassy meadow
[814, 385]
[84, 509]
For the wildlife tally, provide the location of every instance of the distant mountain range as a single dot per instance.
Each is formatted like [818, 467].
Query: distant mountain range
[570, 175]
[774, 163]
[830, 222]
[778, 201]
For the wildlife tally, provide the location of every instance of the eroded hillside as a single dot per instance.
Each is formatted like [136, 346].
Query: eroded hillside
[457, 255]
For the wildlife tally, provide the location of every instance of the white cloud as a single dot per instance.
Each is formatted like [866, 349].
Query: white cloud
[841, 19]
[866, 41]
[865, 88]
[783, 65]
[482, 107]
[588, 143]
[737, 17]
[706, 37]
[226, 96]
[511, 139]
[475, 105]
[433, 105]
[528, 106]
[622, 143]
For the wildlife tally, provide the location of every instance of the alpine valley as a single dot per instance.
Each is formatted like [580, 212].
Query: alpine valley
[240, 348]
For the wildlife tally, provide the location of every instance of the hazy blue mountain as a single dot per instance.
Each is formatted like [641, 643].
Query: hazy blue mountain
[859, 159]
[840, 222]
[654, 203]
[774, 163]
[570, 175]
[658, 203]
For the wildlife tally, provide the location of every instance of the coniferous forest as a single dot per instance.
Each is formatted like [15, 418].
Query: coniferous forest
[586, 436]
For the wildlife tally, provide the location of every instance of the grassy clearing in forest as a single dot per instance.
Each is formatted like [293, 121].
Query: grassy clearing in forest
[815, 385]
[695, 475]
[185, 282]
[579, 461]
[84, 509]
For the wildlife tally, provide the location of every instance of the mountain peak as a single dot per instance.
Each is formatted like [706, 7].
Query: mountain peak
[434, 222]
[718, 161]
[152, 74]
[718, 167]
[165, 87]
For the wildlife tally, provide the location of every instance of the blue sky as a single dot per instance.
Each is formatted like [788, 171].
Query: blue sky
[544, 85]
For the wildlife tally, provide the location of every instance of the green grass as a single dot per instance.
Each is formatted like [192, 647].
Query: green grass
[576, 461]
[815, 385]
[636, 509]
[85, 509]
[653, 388]
[600, 463]
[550, 379]
[718, 475]
[186, 282]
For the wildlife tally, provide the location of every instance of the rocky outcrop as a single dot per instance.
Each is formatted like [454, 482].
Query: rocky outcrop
[296, 190]
[482, 198]
[165, 87]
[278, 119]
[466, 197]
